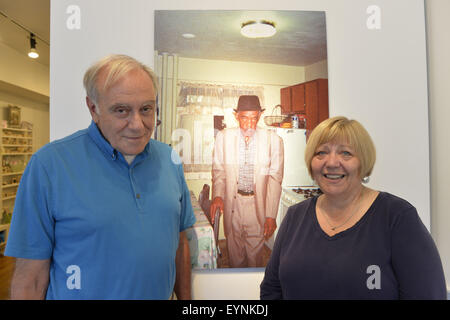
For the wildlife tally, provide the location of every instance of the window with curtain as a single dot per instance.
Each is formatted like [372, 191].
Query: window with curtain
[197, 105]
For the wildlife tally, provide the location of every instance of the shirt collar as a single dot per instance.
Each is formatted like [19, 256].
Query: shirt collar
[107, 149]
[242, 137]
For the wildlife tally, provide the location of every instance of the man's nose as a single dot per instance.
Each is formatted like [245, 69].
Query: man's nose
[250, 124]
[136, 122]
[247, 125]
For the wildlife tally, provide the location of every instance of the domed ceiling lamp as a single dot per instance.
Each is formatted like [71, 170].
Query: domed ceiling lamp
[258, 29]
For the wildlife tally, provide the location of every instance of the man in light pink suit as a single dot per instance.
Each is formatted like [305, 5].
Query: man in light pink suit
[247, 172]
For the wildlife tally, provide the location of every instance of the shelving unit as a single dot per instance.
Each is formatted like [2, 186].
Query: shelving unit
[16, 148]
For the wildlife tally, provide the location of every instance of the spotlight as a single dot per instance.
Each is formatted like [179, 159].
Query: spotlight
[33, 53]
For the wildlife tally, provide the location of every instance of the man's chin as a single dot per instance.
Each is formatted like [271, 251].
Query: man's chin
[132, 150]
[248, 132]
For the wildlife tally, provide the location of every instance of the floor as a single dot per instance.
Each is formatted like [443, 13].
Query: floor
[6, 272]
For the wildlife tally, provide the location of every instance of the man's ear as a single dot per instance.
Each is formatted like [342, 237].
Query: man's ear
[93, 109]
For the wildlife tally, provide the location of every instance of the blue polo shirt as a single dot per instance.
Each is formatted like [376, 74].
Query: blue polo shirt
[110, 229]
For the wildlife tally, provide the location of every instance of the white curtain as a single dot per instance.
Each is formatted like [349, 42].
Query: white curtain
[186, 111]
[197, 105]
[166, 67]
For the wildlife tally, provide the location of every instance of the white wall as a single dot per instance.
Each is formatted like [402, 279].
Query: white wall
[376, 76]
[21, 71]
[438, 43]
[26, 83]
[107, 26]
[318, 70]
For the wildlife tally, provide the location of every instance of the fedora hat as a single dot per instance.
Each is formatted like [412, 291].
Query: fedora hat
[248, 103]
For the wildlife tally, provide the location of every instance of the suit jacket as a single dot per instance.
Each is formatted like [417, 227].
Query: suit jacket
[268, 174]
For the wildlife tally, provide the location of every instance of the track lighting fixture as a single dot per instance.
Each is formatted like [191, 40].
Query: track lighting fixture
[33, 53]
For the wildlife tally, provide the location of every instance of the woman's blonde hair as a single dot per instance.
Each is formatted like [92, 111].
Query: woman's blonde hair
[118, 65]
[343, 130]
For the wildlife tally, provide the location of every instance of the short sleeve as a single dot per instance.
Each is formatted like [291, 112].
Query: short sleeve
[416, 260]
[31, 234]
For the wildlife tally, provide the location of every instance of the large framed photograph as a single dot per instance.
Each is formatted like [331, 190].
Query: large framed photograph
[209, 59]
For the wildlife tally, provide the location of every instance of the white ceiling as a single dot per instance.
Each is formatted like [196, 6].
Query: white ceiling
[34, 15]
[300, 39]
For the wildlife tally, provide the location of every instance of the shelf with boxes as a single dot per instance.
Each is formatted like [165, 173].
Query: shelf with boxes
[16, 148]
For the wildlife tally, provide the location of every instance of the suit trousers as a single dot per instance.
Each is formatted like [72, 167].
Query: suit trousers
[245, 242]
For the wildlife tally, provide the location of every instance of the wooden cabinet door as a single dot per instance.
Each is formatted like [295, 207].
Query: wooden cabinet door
[316, 99]
[312, 114]
[322, 95]
[298, 98]
[286, 100]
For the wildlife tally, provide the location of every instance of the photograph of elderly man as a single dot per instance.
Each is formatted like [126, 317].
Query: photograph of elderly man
[247, 173]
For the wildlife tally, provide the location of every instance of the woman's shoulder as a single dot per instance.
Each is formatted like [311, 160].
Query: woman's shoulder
[296, 216]
[395, 209]
[394, 203]
[300, 209]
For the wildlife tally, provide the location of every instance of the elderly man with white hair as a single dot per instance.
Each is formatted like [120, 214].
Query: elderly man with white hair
[247, 173]
[100, 214]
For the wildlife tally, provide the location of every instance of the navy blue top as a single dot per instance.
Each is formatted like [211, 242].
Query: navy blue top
[387, 254]
[110, 229]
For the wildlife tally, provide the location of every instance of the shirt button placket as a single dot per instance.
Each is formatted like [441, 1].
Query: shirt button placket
[136, 193]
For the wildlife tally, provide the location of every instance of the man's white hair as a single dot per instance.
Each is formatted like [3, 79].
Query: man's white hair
[117, 66]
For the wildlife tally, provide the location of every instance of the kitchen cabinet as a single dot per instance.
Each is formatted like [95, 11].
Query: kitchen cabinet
[309, 99]
[293, 99]
[298, 98]
[316, 96]
[286, 100]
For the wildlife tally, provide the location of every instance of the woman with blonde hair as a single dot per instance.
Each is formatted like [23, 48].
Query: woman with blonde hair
[351, 242]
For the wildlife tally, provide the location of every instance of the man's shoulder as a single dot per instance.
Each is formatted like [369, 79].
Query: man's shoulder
[164, 152]
[226, 135]
[235, 130]
[269, 136]
[160, 147]
[229, 131]
[270, 132]
[68, 141]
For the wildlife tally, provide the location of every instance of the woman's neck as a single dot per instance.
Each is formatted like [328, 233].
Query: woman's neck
[334, 205]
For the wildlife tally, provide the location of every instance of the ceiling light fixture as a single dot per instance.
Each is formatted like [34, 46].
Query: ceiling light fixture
[258, 29]
[33, 53]
[188, 35]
